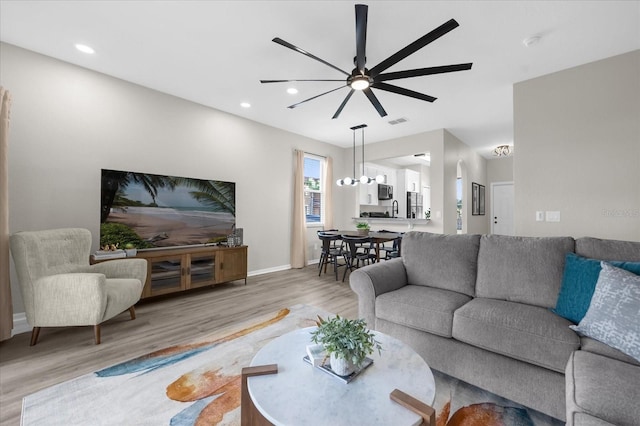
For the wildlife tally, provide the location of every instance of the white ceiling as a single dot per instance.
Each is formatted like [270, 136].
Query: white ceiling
[215, 52]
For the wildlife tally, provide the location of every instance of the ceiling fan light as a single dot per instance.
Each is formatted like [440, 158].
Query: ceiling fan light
[360, 82]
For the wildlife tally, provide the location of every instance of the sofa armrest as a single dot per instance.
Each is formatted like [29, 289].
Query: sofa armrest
[122, 268]
[602, 388]
[374, 280]
[68, 299]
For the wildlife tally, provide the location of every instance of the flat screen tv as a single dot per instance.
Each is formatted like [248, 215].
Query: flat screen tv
[159, 211]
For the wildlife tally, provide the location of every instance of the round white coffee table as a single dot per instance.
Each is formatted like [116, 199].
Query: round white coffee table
[302, 394]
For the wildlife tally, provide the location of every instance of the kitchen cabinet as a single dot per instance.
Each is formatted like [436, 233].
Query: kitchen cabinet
[412, 181]
[180, 269]
[408, 181]
[368, 194]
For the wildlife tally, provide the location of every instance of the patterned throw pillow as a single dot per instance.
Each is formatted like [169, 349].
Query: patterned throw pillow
[614, 313]
[579, 282]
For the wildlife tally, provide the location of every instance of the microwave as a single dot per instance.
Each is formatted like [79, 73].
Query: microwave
[385, 192]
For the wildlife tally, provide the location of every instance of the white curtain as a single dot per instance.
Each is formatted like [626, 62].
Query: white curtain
[299, 229]
[6, 307]
[327, 180]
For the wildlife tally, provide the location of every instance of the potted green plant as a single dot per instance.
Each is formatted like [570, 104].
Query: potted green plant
[363, 228]
[347, 342]
[130, 249]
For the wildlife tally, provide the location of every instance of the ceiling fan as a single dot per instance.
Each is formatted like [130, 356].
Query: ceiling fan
[364, 79]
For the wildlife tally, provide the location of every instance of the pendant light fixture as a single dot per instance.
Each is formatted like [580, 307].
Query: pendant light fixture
[351, 181]
[364, 179]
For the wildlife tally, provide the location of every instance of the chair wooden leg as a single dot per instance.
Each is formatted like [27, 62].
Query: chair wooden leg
[132, 311]
[96, 333]
[425, 411]
[34, 336]
[249, 414]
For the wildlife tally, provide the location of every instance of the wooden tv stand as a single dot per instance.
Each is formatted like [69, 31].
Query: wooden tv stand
[179, 269]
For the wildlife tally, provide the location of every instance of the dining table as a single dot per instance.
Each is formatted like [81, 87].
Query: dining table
[376, 237]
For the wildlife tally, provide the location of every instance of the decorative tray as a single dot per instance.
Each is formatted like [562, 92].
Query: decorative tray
[345, 379]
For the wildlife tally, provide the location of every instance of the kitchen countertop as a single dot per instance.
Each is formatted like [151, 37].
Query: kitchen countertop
[390, 220]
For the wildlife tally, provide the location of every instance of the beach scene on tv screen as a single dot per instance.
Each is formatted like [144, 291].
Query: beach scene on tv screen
[164, 211]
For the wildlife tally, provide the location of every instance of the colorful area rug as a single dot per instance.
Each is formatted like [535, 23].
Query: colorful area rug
[199, 384]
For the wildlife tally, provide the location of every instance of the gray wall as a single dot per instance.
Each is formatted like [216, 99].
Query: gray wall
[474, 169]
[500, 170]
[67, 123]
[577, 141]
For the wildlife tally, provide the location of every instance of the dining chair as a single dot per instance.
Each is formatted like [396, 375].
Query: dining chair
[331, 252]
[395, 250]
[358, 249]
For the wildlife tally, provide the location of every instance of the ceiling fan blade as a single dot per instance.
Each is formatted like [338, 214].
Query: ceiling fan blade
[304, 52]
[403, 91]
[292, 81]
[414, 47]
[374, 101]
[314, 97]
[423, 71]
[361, 36]
[341, 107]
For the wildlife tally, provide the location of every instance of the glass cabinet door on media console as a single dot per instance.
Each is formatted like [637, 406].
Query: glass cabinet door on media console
[179, 269]
[166, 273]
[201, 269]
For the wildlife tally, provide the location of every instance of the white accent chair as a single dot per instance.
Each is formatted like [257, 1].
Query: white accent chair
[60, 288]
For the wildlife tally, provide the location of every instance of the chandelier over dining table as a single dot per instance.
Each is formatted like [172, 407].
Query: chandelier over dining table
[363, 179]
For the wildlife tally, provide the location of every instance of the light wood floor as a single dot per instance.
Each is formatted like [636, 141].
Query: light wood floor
[65, 353]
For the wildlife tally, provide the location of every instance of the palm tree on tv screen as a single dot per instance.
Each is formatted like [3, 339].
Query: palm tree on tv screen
[217, 194]
[114, 182]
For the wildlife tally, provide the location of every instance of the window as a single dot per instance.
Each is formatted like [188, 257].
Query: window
[313, 189]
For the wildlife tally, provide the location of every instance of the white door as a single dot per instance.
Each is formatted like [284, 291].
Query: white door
[502, 208]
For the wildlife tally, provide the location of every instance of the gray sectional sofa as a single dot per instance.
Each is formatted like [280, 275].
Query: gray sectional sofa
[479, 308]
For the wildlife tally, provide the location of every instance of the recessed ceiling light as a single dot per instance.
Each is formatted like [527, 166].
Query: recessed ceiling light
[292, 90]
[84, 48]
[245, 105]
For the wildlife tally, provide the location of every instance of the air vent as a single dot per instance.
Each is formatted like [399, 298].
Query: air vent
[397, 121]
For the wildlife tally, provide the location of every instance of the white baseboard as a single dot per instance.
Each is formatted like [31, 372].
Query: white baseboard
[268, 270]
[20, 324]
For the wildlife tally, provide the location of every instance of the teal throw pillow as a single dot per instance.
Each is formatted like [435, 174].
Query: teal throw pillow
[579, 282]
[614, 311]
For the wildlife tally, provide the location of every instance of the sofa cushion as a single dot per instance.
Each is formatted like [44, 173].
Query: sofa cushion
[522, 269]
[524, 332]
[579, 283]
[602, 387]
[614, 311]
[423, 308]
[608, 249]
[592, 345]
[442, 261]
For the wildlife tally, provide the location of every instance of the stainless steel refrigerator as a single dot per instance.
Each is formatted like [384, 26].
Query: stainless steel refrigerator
[414, 205]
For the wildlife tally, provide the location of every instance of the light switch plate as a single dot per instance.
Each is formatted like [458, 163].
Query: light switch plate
[553, 216]
[539, 216]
